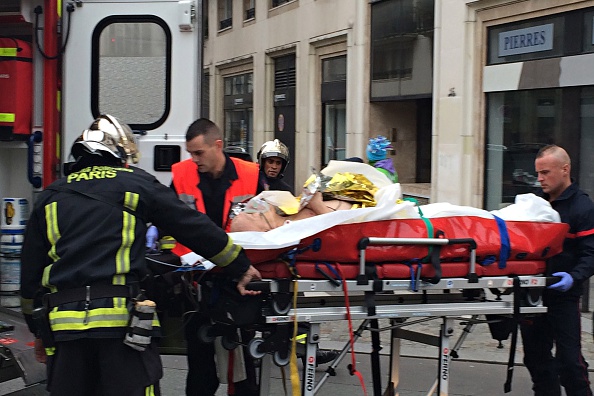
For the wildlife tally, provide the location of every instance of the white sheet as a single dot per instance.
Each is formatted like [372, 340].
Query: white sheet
[527, 207]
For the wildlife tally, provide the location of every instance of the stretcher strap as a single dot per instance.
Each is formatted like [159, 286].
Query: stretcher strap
[430, 234]
[284, 379]
[230, 365]
[351, 338]
[295, 385]
[488, 260]
[333, 277]
[415, 277]
[430, 230]
[290, 257]
[504, 253]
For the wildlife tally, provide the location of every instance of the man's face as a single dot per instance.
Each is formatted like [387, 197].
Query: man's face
[272, 166]
[207, 156]
[553, 175]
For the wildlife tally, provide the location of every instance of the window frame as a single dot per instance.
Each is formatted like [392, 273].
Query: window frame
[225, 14]
[95, 58]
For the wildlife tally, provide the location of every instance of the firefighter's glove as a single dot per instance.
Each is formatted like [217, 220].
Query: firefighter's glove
[564, 284]
[152, 235]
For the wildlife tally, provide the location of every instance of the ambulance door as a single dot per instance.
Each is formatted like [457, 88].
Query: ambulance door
[141, 62]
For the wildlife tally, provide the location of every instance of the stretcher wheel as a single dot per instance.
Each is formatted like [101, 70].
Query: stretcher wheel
[280, 361]
[278, 310]
[533, 297]
[253, 348]
[229, 342]
[205, 335]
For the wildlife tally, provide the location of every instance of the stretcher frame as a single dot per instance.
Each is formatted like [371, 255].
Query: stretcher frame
[425, 303]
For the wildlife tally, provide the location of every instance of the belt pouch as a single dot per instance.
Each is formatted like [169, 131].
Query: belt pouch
[140, 327]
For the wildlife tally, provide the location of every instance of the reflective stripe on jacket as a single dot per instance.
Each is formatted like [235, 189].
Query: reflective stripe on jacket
[89, 229]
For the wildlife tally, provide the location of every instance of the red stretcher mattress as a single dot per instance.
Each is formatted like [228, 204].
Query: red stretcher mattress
[528, 245]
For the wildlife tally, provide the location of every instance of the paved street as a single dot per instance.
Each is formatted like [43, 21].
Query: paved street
[479, 370]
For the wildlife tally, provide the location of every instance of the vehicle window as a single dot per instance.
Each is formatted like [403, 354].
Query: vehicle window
[131, 70]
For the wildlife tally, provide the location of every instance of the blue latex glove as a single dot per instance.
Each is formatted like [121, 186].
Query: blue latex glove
[152, 234]
[564, 284]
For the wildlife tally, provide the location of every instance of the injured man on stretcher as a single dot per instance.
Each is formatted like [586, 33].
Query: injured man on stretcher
[347, 187]
[259, 215]
[276, 219]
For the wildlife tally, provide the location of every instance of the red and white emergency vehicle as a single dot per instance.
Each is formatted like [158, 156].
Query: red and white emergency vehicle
[63, 63]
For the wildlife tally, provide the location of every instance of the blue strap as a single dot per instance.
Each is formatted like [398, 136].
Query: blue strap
[330, 268]
[414, 277]
[291, 256]
[505, 251]
[488, 260]
[418, 275]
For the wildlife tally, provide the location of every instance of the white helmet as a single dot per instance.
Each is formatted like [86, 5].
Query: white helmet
[274, 148]
[107, 136]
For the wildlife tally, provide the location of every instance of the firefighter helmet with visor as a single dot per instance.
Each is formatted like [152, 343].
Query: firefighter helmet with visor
[107, 137]
[274, 148]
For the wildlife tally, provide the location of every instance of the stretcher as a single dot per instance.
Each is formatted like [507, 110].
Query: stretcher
[405, 270]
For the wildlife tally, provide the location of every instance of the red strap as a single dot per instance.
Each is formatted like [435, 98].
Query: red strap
[580, 234]
[350, 322]
[231, 384]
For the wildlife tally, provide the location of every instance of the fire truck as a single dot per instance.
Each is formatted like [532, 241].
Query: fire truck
[62, 64]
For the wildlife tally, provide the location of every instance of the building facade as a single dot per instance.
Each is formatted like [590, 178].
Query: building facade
[467, 90]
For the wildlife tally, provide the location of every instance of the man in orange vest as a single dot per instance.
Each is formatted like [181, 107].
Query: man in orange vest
[210, 181]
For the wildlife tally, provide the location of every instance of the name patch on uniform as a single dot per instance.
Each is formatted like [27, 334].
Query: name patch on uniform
[95, 173]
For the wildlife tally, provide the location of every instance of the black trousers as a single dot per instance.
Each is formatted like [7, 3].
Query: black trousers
[202, 377]
[560, 326]
[103, 366]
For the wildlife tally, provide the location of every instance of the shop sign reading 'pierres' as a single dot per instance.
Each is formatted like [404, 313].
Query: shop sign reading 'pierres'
[527, 40]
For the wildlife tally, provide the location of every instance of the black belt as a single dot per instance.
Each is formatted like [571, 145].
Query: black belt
[87, 293]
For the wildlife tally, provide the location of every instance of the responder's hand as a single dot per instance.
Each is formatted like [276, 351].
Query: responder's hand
[152, 235]
[564, 284]
[249, 275]
[40, 355]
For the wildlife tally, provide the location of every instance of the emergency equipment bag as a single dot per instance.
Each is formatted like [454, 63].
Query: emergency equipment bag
[16, 85]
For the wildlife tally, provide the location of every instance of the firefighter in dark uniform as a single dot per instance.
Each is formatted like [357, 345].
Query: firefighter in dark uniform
[273, 158]
[561, 325]
[85, 245]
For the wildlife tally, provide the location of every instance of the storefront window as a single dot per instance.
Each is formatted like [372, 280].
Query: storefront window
[586, 175]
[401, 48]
[238, 91]
[519, 123]
[334, 75]
[588, 32]
[238, 129]
[334, 132]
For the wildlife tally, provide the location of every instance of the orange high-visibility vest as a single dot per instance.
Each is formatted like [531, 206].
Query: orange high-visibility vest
[186, 179]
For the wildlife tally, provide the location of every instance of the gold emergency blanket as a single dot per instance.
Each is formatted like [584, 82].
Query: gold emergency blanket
[350, 187]
[346, 186]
